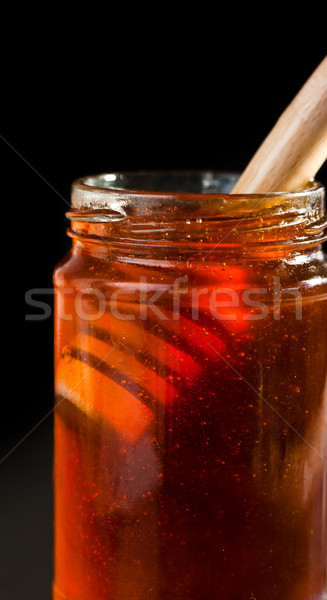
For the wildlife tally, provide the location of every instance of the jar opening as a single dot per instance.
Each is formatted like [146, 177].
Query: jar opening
[172, 183]
[99, 191]
[159, 206]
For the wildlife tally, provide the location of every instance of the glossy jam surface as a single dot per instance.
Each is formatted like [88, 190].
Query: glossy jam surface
[190, 429]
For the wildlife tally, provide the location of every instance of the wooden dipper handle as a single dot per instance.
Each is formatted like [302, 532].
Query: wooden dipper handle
[296, 147]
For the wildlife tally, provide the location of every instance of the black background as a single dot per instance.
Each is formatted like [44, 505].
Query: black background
[150, 99]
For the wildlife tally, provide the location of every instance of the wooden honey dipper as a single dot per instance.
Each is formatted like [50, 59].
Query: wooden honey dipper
[296, 147]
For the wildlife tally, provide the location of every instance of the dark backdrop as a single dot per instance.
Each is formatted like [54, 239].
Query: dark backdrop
[151, 101]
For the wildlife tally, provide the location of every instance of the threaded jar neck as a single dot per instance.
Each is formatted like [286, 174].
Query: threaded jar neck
[193, 212]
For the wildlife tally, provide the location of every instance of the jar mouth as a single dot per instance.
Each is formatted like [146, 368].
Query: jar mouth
[192, 207]
[181, 185]
[177, 195]
[161, 183]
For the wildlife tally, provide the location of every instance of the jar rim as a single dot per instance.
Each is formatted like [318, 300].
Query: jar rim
[210, 213]
[92, 190]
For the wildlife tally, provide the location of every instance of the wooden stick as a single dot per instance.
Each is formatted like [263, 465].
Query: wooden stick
[296, 147]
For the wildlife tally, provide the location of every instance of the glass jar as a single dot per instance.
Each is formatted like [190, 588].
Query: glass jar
[191, 392]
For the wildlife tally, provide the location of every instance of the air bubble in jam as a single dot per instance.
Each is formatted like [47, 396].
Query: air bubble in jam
[66, 352]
